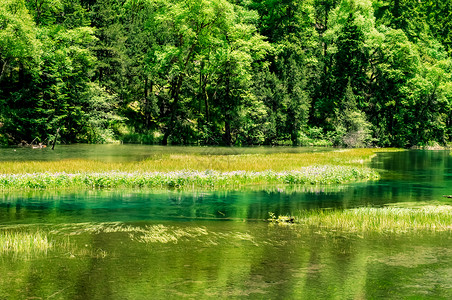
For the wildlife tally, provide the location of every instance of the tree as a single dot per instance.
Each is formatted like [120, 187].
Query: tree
[19, 47]
[292, 67]
[352, 128]
[20, 52]
[45, 12]
[209, 40]
[50, 68]
[350, 27]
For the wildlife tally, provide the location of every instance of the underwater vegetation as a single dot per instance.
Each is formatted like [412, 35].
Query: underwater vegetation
[24, 242]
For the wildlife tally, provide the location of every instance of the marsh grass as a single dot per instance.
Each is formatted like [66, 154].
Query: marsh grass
[50, 194]
[19, 242]
[192, 171]
[379, 220]
[152, 234]
[199, 162]
[186, 179]
[23, 242]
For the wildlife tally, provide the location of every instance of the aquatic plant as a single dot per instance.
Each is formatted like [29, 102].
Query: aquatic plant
[193, 170]
[23, 242]
[199, 162]
[186, 179]
[281, 220]
[373, 219]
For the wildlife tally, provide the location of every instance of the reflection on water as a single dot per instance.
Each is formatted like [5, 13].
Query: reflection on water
[132, 244]
[413, 176]
[129, 205]
[203, 259]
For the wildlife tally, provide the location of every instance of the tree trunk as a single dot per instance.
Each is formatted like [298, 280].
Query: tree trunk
[175, 92]
[227, 116]
[146, 103]
[227, 132]
[173, 109]
[3, 70]
[21, 75]
[203, 92]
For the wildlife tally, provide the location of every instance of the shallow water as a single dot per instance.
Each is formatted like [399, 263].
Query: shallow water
[132, 244]
[131, 152]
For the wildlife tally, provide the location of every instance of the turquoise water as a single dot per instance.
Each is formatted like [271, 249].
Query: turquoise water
[135, 244]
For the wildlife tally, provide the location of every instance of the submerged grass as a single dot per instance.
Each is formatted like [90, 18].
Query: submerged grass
[150, 234]
[379, 220]
[193, 170]
[23, 242]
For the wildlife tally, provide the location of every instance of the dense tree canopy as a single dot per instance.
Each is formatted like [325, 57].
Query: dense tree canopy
[222, 72]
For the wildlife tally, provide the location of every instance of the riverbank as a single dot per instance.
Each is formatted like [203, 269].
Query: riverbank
[193, 171]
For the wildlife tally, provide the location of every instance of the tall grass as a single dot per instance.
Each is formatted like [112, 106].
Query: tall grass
[380, 220]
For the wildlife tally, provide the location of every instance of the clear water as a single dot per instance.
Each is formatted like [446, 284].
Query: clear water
[128, 152]
[133, 244]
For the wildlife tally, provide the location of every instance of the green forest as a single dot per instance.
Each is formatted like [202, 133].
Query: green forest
[350, 73]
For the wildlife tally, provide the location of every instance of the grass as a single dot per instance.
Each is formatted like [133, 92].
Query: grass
[379, 220]
[23, 242]
[199, 162]
[193, 170]
[185, 179]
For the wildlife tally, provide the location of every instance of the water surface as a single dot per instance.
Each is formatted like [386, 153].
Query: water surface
[130, 152]
[136, 244]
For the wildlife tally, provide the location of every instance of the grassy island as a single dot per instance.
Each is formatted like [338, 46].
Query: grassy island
[193, 171]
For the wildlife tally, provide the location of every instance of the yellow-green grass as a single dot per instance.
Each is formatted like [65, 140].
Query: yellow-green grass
[25, 243]
[379, 220]
[198, 162]
[193, 171]
[19, 242]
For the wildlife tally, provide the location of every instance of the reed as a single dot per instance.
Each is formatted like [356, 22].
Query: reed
[193, 170]
[23, 242]
[313, 175]
[380, 220]
[199, 162]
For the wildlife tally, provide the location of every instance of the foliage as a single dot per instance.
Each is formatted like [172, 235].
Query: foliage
[52, 87]
[351, 123]
[358, 73]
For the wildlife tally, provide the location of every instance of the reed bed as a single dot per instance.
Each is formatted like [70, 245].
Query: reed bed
[193, 170]
[198, 162]
[185, 179]
[23, 242]
[379, 220]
